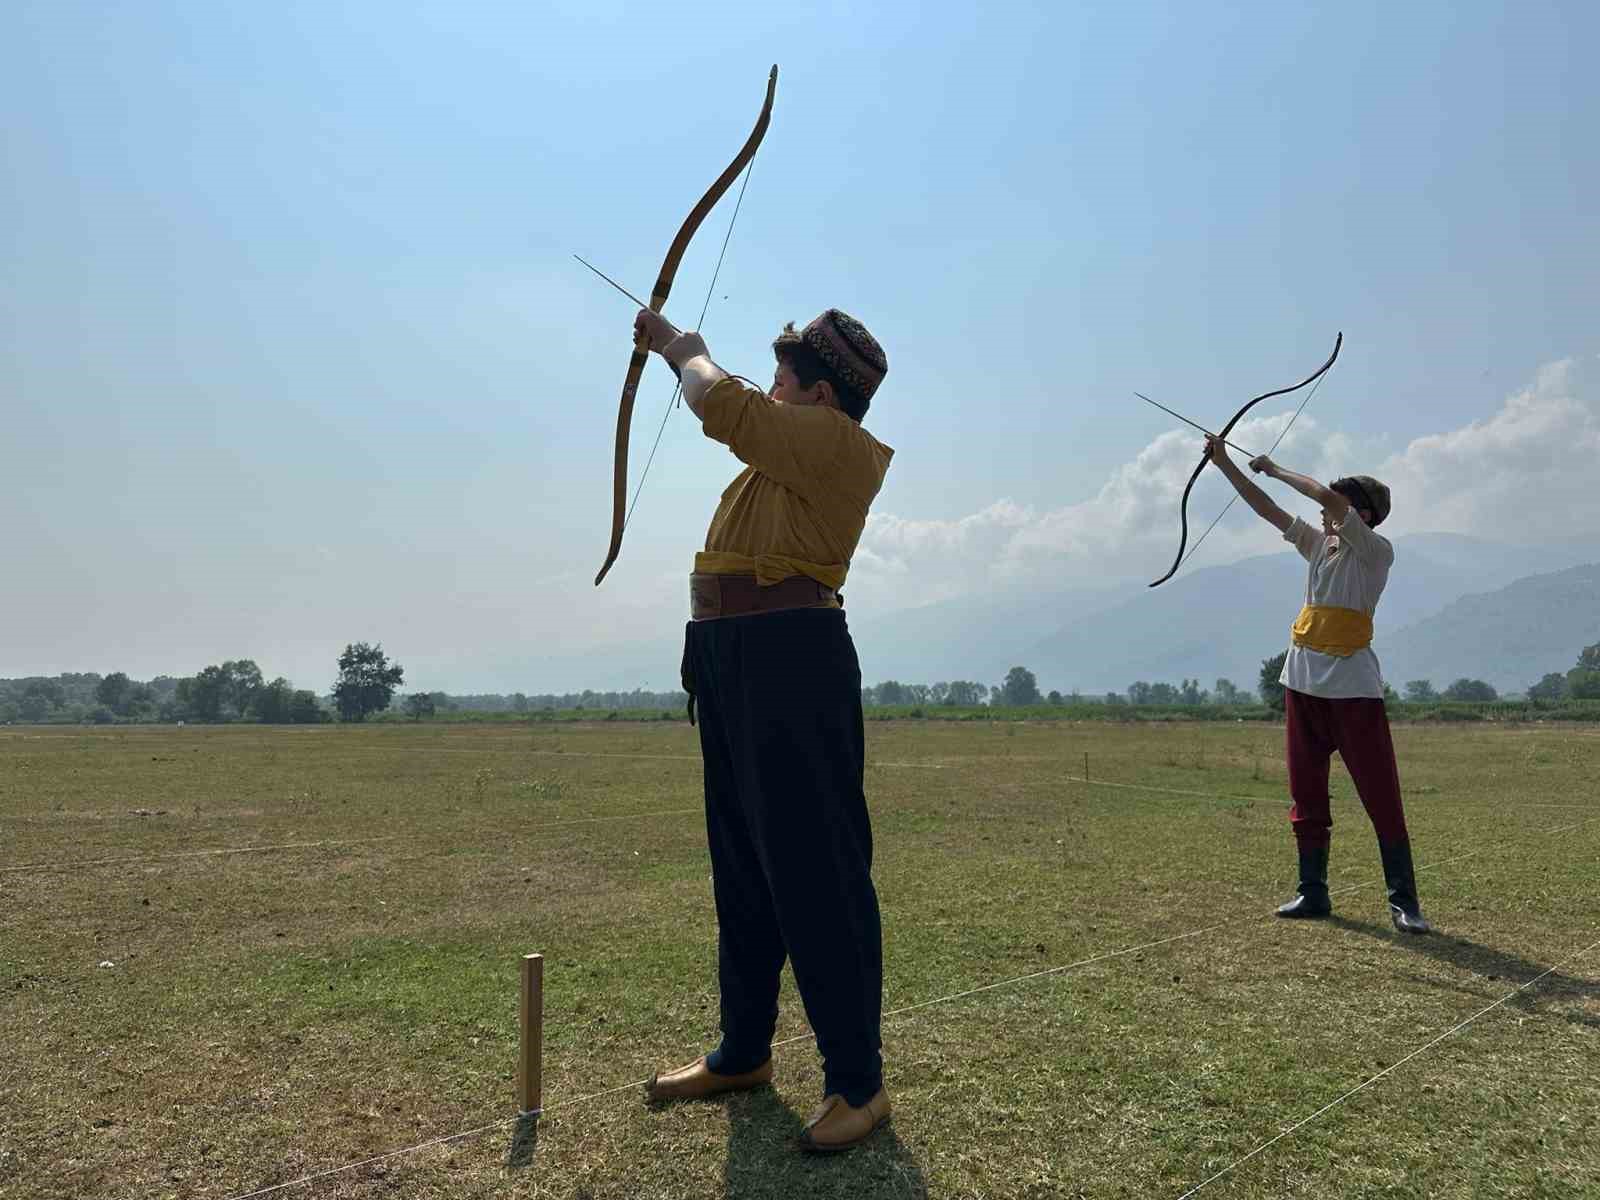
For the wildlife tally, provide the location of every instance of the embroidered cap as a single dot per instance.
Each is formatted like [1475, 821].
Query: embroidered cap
[844, 344]
[1369, 494]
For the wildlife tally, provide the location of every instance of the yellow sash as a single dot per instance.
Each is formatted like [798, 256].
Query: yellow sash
[767, 568]
[1330, 630]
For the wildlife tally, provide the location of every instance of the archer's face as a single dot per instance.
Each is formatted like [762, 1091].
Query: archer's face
[786, 389]
[1327, 521]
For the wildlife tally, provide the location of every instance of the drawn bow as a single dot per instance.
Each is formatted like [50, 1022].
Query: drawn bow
[1183, 505]
[658, 298]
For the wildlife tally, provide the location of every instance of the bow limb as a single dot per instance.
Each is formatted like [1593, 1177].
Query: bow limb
[1311, 378]
[658, 298]
[1183, 516]
[1338, 343]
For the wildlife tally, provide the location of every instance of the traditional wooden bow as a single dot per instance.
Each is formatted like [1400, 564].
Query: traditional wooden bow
[658, 297]
[1183, 505]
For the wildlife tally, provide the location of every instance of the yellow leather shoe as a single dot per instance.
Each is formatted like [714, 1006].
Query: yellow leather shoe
[696, 1081]
[837, 1126]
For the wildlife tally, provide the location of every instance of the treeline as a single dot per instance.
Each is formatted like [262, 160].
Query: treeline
[521, 702]
[228, 691]
[236, 690]
[1020, 689]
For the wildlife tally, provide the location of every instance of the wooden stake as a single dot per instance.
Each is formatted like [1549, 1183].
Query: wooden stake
[530, 1067]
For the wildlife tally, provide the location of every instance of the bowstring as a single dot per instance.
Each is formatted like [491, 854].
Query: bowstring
[704, 308]
[1268, 454]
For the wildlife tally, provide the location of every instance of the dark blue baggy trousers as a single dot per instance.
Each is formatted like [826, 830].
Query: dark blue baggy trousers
[779, 698]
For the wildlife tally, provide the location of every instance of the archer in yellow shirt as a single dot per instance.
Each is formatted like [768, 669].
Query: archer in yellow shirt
[769, 661]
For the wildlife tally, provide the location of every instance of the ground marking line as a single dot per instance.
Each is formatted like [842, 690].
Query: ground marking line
[677, 812]
[103, 862]
[596, 754]
[803, 1037]
[1147, 787]
[367, 1162]
[100, 862]
[1386, 1070]
[1574, 825]
[438, 1141]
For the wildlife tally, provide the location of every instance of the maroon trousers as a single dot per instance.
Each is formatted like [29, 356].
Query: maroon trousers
[1359, 731]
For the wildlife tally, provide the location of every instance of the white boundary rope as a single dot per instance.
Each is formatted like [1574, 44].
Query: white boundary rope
[1332, 1104]
[673, 812]
[598, 754]
[1110, 954]
[393, 837]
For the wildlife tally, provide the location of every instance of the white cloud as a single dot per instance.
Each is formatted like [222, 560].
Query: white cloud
[1529, 466]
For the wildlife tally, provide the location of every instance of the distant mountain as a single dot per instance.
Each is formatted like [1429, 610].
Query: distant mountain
[1211, 623]
[1510, 637]
[966, 638]
[1205, 624]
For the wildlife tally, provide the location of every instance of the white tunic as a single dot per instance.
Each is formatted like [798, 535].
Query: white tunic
[1349, 577]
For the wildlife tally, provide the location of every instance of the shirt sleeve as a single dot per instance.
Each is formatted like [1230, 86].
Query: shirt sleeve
[1369, 547]
[1303, 538]
[791, 445]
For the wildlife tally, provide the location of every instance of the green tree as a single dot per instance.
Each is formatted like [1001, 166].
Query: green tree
[305, 709]
[419, 705]
[272, 701]
[241, 680]
[1190, 692]
[1420, 691]
[141, 702]
[1470, 689]
[40, 698]
[964, 693]
[891, 691]
[939, 692]
[1583, 681]
[367, 681]
[1267, 683]
[114, 691]
[1227, 692]
[1055, 697]
[202, 695]
[1552, 687]
[1139, 693]
[1583, 685]
[1020, 688]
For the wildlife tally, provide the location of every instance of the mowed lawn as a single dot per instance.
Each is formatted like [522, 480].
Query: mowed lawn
[232, 958]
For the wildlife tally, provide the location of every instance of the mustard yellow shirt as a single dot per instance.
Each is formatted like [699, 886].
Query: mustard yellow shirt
[800, 504]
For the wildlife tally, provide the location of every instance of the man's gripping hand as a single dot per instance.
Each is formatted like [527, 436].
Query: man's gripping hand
[666, 339]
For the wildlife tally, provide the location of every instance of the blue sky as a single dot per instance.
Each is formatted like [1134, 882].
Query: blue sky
[293, 351]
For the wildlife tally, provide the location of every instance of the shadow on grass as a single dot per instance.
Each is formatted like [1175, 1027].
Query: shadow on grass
[1496, 966]
[764, 1159]
[524, 1142]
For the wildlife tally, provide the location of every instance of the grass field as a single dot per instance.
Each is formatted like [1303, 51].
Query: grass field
[232, 958]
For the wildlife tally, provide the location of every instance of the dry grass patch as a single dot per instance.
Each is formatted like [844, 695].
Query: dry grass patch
[280, 1012]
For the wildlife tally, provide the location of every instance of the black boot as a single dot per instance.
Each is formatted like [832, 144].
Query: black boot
[1312, 900]
[1398, 873]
